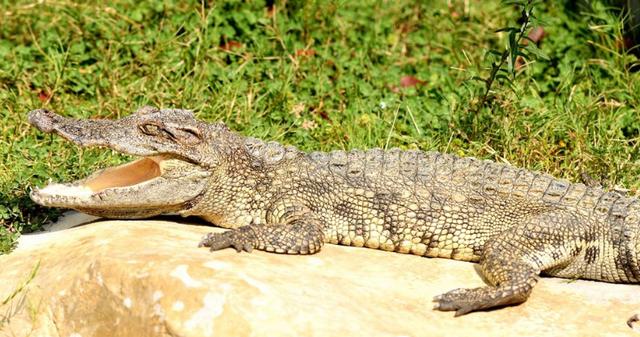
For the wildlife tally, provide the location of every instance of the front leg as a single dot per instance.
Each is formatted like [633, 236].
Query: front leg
[302, 235]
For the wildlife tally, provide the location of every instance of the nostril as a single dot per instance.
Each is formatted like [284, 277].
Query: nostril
[44, 120]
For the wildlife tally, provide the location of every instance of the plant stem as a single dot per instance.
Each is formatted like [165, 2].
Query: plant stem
[526, 14]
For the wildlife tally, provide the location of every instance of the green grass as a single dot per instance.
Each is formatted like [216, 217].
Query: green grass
[236, 62]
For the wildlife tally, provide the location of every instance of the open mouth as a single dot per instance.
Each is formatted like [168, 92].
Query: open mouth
[129, 174]
[126, 175]
[159, 183]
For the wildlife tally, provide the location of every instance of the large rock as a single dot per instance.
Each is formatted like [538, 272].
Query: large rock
[148, 278]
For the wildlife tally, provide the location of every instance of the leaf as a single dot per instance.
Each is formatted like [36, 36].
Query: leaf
[137, 15]
[305, 52]
[520, 62]
[44, 95]
[507, 29]
[271, 10]
[230, 45]
[536, 34]
[410, 81]
[503, 77]
[533, 49]
[514, 2]
[495, 52]
[4, 212]
[513, 51]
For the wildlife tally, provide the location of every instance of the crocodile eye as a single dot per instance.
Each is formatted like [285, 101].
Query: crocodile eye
[151, 129]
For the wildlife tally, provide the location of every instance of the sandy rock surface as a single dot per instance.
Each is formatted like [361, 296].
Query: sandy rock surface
[148, 278]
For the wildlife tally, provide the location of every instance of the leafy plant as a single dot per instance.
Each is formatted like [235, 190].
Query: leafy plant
[515, 48]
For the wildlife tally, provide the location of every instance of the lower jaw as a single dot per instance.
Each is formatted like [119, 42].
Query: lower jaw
[125, 213]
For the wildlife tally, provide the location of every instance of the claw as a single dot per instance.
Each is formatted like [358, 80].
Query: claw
[453, 300]
[205, 242]
[633, 320]
[463, 311]
[234, 239]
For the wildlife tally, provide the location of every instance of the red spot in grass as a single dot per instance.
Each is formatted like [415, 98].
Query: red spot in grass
[305, 52]
[271, 10]
[44, 96]
[230, 45]
[624, 43]
[319, 110]
[536, 35]
[410, 81]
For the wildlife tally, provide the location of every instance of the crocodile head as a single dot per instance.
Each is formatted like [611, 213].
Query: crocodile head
[178, 157]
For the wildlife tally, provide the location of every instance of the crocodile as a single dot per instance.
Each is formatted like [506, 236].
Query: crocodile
[515, 223]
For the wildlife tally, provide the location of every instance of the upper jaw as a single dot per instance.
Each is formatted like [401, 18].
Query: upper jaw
[118, 135]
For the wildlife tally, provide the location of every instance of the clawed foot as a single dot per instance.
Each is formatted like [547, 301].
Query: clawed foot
[462, 301]
[239, 239]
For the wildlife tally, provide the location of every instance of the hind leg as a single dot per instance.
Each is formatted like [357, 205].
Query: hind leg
[510, 282]
[512, 261]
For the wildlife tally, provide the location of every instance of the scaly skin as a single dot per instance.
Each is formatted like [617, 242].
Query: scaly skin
[517, 224]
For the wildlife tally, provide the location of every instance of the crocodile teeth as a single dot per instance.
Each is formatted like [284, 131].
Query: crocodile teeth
[61, 190]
